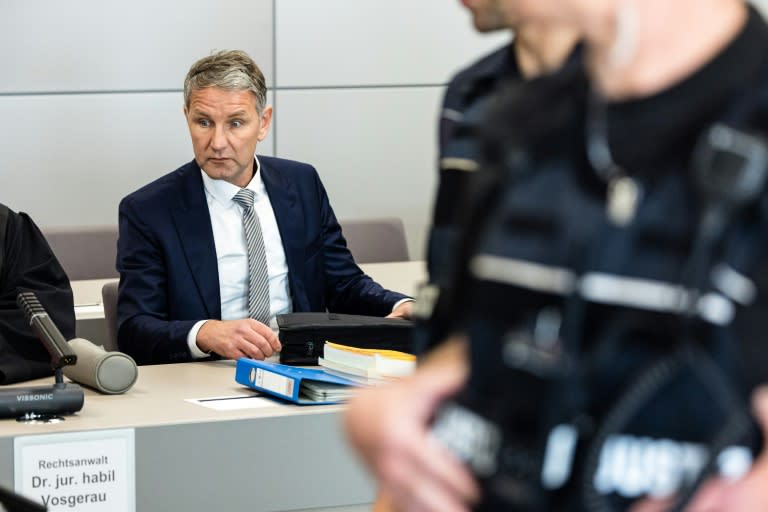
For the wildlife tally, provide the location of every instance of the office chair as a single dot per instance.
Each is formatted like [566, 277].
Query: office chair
[109, 301]
[376, 240]
[85, 253]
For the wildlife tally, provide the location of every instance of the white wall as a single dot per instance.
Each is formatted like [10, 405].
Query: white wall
[91, 96]
[761, 4]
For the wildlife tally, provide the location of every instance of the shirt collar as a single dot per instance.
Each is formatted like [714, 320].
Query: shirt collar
[223, 191]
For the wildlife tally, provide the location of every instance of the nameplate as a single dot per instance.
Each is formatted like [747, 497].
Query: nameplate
[83, 471]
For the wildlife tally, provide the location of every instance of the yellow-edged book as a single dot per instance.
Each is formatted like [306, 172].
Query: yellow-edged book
[367, 363]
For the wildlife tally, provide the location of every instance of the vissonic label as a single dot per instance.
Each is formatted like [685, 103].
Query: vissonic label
[35, 397]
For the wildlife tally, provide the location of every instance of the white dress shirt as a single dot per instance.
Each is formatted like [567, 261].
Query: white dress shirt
[232, 255]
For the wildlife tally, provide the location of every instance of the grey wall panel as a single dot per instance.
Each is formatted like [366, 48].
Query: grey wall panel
[374, 42]
[69, 159]
[86, 45]
[375, 150]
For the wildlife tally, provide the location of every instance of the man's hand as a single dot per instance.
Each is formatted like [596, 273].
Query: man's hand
[389, 426]
[233, 339]
[748, 494]
[404, 310]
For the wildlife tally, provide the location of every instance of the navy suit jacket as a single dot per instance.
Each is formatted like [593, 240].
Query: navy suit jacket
[169, 273]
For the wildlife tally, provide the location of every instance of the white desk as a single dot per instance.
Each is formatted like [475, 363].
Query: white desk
[401, 276]
[192, 458]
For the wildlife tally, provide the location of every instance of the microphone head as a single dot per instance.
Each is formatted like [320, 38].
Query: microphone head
[109, 372]
[29, 304]
[116, 373]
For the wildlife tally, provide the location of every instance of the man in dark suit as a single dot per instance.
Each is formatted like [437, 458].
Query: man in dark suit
[211, 252]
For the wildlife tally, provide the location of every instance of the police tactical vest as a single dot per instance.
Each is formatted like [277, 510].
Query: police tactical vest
[606, 322]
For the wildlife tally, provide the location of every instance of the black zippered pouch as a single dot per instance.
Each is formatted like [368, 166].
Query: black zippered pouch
[303, 334]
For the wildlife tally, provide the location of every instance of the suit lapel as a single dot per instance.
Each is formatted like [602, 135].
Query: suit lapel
[193, 223]
[289, 214]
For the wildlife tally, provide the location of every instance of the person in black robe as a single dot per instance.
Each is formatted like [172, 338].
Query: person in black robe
[28, 264]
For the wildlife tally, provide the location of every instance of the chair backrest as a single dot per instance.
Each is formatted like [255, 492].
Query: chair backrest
[90, 253]
[376, 240]
[85, 253]
[109, 301]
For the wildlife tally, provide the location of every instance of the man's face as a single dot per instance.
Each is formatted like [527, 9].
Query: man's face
[487, 15]
[225, 128]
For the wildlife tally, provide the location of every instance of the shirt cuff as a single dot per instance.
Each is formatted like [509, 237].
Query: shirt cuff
[192, 341]
[397, 304]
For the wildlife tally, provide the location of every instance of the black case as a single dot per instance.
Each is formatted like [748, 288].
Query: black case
[303, 334]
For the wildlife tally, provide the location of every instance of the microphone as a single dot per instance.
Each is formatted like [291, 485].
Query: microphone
[45, 330]
[108, 372]
[32, 402]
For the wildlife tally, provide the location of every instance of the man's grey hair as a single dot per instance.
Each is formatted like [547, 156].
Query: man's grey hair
[233, 70]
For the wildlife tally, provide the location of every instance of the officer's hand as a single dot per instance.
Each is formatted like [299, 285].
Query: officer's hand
[389, 426]
[748, 494]
[233, 339]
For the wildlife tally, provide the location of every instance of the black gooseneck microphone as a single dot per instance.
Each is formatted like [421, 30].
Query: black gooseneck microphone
[46, 331]
[43, 401]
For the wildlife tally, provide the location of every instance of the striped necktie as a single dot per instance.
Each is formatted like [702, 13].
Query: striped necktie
[258, 278]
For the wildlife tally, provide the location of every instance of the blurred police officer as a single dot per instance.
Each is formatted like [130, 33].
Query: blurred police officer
[609, 281]
[535, 50]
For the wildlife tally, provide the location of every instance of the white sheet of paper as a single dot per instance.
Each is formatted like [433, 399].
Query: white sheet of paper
[232, 403]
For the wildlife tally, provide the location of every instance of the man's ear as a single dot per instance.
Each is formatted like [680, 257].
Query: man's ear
[266, 122]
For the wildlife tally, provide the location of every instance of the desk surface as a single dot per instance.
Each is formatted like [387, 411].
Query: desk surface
[158, 398]
[193, 458]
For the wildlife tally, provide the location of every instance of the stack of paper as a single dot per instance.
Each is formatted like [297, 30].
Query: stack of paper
[366, 365]
[318, 391]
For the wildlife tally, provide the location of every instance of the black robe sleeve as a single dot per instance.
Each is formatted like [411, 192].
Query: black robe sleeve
[28, 264]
